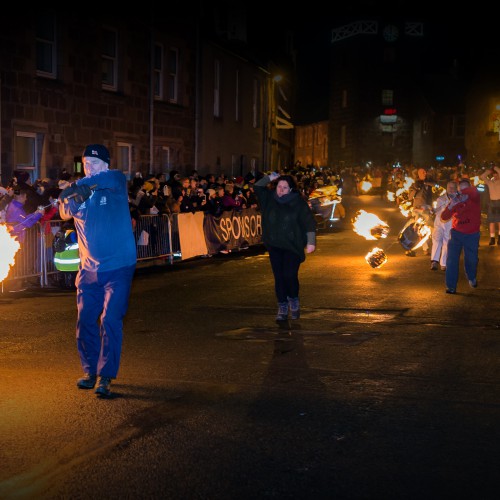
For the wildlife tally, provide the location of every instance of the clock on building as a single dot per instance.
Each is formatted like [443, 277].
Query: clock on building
[390, 33]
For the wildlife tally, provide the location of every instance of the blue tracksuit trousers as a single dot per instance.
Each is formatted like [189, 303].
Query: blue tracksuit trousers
[102, 301]
[470, 245]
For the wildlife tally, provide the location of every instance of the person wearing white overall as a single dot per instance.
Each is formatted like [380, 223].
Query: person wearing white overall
[441, 231]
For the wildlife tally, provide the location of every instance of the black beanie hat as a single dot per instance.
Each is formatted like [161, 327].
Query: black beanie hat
[97, 151]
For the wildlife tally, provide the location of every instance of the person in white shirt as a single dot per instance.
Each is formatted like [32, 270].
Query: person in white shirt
[441, 230]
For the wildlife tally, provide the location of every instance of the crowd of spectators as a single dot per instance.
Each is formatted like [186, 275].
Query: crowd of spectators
[213, 194]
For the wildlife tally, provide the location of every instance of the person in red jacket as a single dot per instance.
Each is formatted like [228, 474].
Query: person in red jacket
[465, 211]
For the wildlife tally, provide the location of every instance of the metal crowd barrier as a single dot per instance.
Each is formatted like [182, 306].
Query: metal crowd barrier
[30, 258]
[156, 236]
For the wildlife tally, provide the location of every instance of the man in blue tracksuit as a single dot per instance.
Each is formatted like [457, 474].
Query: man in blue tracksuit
[98, 204]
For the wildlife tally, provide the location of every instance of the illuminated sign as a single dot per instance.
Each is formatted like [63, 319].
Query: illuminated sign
[388, 119]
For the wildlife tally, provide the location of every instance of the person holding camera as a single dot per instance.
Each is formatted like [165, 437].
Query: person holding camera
[464, 210]
[213, 205]
[288, 231]
[232, 200]
[200, 200]
[491, 178]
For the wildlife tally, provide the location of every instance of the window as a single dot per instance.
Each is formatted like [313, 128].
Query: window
[109, 59]
[256, 104]
[344, 98]
[217, 88]
[425, 126]
[158, 71]
[343, 133]
[309, 139]
[457, 126]
[387, 97]
[124, 158]
[26, 153]
[389, 55]
[237, 96]
[300, 137]
[165, 159]
[236, 165]
[173, 75]
[46, 63]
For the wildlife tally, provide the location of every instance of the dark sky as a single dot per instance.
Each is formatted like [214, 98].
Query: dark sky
[460, 31]
[457, 36]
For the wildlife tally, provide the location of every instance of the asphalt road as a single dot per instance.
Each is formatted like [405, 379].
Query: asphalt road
[387, 387]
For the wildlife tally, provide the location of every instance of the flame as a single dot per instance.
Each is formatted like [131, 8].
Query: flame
[327, 195]
[405, 208]
[408, 182]
[8, 249]
[366, 186]
[376, 257]
[370, 226]
[476, 180]
[424, 231]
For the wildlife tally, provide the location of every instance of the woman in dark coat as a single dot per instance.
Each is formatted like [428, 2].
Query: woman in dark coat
[288, 231]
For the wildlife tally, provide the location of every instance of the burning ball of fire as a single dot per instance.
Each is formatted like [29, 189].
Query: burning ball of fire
[370, 226]
[376, 258]
[8, 249]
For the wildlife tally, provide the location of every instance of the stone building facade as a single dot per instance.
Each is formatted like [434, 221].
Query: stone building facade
[68, 80]
[158, 91]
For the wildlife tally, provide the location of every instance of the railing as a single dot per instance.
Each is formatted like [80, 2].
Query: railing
[156, 236]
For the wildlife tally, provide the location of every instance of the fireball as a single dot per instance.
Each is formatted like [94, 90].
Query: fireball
[8, 249]
[366, 186]
[370, 226]
[376, 258]
[414, 234]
